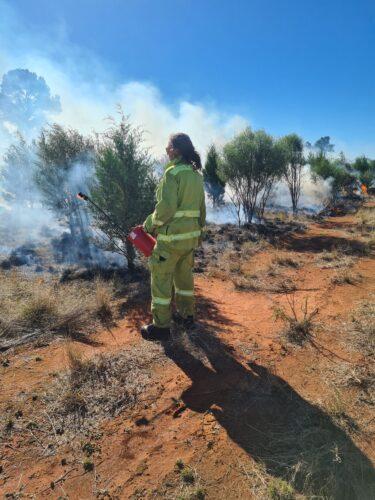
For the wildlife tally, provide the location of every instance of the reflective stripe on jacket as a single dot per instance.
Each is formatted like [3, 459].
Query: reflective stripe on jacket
[180, 212]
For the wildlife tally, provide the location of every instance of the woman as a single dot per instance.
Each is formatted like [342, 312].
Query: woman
[177, 221]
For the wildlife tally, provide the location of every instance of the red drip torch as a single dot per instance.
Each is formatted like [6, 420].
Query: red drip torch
[143, 241]
[138, 237]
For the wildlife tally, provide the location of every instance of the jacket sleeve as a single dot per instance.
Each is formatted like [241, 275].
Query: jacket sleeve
[166, 206]
[202, 216]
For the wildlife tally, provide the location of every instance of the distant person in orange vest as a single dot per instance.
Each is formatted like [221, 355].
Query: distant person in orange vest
[364, 189]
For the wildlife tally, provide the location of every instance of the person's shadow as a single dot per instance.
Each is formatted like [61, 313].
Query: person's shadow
[295, 440]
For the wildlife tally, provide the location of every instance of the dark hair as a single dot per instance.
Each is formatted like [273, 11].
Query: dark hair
[183, 144]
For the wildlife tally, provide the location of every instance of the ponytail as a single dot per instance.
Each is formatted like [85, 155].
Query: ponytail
[182, 143]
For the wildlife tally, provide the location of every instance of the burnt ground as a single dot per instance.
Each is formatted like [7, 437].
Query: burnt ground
[218, 238]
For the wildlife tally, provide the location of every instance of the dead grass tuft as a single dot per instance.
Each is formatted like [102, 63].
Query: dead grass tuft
[286, 261]
[246, 283]
[362, 327]
[39, 311]
[96, 388]
[366, 217]
[89, 391]
[103, 300]
[278, 489]
[307, 455]
[335, 259]
[31, 304]
[345, 277]
[231, 261]
[299, 325]
[74, 403]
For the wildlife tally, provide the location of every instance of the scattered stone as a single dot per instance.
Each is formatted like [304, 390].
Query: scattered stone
[142, 421]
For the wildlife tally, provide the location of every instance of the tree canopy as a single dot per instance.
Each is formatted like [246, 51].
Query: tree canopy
[26, 101]
[125, 183]
[214, 185]
[250, 161]
[292, 147]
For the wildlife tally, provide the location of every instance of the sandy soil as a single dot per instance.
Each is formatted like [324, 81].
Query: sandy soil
[216, 397]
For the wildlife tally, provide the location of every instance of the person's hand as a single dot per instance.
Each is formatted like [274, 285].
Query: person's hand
[147, 225]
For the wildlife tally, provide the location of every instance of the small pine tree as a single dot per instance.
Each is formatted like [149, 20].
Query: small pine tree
[125, 183]
[214, 185]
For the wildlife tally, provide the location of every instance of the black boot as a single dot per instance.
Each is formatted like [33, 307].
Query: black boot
[152, 332]
[187, 322]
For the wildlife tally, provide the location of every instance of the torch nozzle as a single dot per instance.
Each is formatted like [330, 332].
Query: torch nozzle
[82, 196]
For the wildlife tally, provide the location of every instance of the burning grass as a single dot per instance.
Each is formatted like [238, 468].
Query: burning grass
[34, 305]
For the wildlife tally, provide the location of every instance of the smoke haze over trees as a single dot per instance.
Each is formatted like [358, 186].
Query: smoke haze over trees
[25, 101]
[215, 186]
[64, 166]
[46, 165]
[366, 170]
[18, 173]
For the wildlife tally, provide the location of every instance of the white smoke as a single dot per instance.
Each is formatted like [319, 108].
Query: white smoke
[314, 193]
[89, 94]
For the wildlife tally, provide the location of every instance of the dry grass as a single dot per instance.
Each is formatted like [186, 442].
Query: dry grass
[346, 277]
[362, 327]
[366, 216]
[103, 300]
[335, 259]
[261, 484]
[32, 304]
[234, 266]
[88, 392]
[231, 261]
[300, 322]
[103, 385]
[308, 455]
[262, 283]
[286, 261]
[249, 283]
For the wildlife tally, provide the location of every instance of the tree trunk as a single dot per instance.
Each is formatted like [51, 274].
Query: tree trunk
[130, 252]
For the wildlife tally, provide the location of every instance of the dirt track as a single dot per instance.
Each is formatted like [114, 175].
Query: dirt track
[221, 394]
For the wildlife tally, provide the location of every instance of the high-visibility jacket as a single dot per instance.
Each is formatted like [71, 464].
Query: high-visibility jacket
[180, 212]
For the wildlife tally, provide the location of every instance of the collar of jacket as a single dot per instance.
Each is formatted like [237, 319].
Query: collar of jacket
[174, 162]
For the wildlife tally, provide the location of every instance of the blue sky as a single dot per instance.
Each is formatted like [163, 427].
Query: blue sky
[286, 66]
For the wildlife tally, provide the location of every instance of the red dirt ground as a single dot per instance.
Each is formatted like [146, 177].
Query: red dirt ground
[189, 416]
